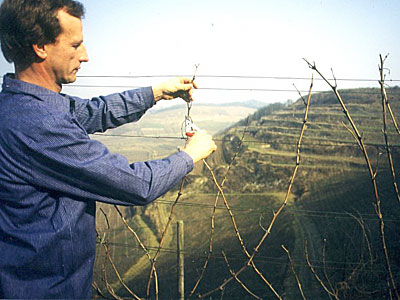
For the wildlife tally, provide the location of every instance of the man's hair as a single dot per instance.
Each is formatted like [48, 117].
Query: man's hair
[24, 23]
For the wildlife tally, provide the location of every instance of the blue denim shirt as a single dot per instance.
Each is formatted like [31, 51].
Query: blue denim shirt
[51, 175]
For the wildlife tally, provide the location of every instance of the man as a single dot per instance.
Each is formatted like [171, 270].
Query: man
[51, 172]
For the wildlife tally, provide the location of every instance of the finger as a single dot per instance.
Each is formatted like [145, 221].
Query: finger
[185, 80]
[191, 95]
[186, 86]
[185, 95]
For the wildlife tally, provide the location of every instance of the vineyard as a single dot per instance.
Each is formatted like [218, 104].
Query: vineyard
[324, 244]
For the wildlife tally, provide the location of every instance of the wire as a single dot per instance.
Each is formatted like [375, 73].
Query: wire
[140, 136]
[224, 76]
[239, 257]
[222, 89]
[331, 141]
[200, 88]
[311, 213]
[236, 76]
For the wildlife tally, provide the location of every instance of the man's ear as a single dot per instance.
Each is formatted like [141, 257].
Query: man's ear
[40, 51]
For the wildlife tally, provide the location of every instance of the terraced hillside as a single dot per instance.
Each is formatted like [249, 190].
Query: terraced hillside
[328, 147]
[331, 207]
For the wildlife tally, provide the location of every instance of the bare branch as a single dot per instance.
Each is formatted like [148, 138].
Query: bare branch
[301, 96]
[98, 290]
[371, 173]
[385, 104]
[366, 238]
[353, 134]
[210, 247]
[142, 246]
[294, 272]
[104, 270]
[131, 230]
[324, 264]
[283, 205]
[329, 292]
[153, 265]
[104, 242]
[108, 255]
[105, 216]
[334, 78]
[238, 280]
[238, 234]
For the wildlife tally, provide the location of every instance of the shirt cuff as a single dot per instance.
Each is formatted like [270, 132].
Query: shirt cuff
[187, 159]
[148, 96]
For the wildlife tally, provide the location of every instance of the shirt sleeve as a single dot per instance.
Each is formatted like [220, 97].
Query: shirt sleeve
[62, 159]
[101, 113]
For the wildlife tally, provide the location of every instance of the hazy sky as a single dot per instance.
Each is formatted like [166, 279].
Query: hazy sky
[246, 38]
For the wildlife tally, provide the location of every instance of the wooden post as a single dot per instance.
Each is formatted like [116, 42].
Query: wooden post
[180, 260]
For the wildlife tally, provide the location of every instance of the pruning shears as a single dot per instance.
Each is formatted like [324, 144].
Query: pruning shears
[190, 127]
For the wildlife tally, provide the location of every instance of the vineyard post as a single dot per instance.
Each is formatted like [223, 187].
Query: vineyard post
[180, 259]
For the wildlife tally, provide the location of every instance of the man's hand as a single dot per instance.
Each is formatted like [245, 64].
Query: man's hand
[200, 146]
[174, 88]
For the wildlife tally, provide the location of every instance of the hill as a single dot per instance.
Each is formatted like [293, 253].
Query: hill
[331, 207]
[166, 124]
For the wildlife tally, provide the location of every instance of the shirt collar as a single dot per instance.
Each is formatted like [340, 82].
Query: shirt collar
[10, 84]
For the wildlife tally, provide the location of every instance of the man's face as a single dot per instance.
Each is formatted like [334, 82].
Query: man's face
[65, 56]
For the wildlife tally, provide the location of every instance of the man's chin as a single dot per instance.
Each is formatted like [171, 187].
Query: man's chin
[71, 79]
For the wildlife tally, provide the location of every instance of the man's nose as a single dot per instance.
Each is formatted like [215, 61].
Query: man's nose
[84, 56]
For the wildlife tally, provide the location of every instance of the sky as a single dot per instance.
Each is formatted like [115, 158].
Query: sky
[252, 38]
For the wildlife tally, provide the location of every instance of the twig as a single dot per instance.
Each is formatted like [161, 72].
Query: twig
[324, 265]
[385, 95]
[103, 241]
[108, 255]
[238, 233]
[153, 264]
[105, 216]
[222, 293]
[294, 272]
[301, 96]
[385, 104]
[133, 232]
[315, 273]
[139, 242]
[283, 205]
[362, 225]
[109, 258]
[352, 133]
[238, 280]
[98, 290]
[105, 279]
[210, 247]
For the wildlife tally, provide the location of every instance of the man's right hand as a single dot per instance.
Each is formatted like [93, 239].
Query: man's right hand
[200, 146]
[173, 88]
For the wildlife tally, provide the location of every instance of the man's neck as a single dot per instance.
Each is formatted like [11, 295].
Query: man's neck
[37, 75]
